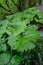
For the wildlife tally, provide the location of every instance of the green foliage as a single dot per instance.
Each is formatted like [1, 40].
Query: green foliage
[7, 7]
[11, 6]
[4, 58]
[15, 60]
[19, 37]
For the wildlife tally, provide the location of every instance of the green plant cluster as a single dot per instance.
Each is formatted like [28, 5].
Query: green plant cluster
[20, 40]
[11, 6]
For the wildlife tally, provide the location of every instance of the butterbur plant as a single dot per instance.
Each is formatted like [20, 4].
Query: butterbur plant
[20, 40]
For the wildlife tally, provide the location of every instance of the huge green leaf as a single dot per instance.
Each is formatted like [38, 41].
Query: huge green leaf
[24, 42]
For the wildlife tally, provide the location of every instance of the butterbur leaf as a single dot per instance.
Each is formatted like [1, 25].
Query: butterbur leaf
[24, 45]
[4, 26]
[28, 14]
[11, 40]
[20, 44]
[19, 37]
[24, 42]
[31, 34]
[17, 27]
[21, 33]
[3, 47]
[4, 58]
[16, 60]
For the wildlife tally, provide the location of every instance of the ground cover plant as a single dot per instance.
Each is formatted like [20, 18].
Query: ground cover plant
[8, 7]
[21, 41]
